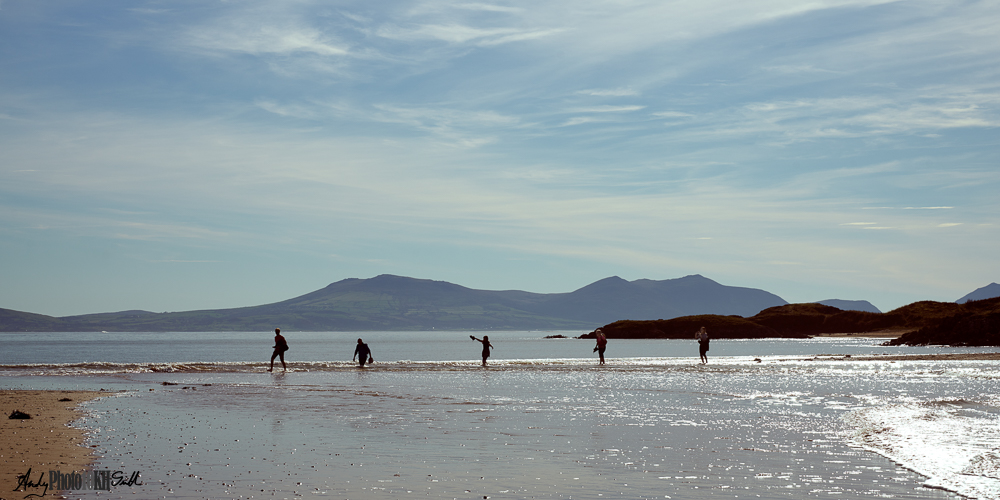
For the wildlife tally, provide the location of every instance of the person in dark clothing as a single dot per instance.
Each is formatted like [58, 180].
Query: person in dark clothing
[486, 346]
[602, 343]
[280, 346]
[702, 337]
[364, 352]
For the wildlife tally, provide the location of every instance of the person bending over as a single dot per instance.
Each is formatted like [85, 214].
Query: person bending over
[364, 352]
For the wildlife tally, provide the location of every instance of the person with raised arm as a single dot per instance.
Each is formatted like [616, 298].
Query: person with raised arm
[486, 346]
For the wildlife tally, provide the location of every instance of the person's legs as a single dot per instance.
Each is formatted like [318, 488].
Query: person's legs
[274, 355]
[282, 356]
[601, 353]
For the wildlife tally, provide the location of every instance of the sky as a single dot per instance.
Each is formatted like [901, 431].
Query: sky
[183, 155]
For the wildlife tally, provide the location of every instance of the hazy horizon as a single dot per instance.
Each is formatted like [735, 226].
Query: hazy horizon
[174, 156]
[459, 284]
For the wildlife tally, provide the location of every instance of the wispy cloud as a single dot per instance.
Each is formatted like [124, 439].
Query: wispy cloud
[460, 34]
[290, 110]
[141, 10]
[671, 114]
[266, 40]
[797, 69]
[180, 261]
[728, 139]
[489, 7]
[619, 92]
[581, 120]
[607, 109]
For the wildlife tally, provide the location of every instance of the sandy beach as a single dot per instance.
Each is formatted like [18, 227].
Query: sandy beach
[45, 441]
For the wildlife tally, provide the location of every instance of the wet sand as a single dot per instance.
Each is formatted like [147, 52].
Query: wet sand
[972, 356]
[45, 441]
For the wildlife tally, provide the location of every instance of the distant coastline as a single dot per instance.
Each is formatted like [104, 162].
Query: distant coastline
[868, 335]
[399, 303]
[396, 303]
[974, 323]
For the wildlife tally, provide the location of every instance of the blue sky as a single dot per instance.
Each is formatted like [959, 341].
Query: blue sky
[178, 155]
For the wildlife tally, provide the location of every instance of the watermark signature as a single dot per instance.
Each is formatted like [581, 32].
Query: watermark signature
[96, 480]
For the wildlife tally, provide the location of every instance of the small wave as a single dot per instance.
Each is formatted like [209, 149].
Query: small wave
[987, 465]
[954, 447]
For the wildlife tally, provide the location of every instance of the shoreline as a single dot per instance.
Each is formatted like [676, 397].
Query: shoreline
[971, 356]
[864, 335]
[45, 441]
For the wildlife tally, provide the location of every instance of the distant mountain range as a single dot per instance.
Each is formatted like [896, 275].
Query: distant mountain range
[986, 292]
[389, 302]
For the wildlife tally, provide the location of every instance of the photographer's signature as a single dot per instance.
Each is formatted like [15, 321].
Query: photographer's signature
[24, 481]
[100, 480]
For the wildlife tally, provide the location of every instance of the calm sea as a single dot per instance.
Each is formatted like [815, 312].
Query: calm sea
[541, 421]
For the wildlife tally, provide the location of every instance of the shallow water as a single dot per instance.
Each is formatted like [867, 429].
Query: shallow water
[217, 347]
[427, 421]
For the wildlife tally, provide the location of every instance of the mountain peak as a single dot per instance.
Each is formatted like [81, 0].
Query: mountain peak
[390, 302]
[611, 279]
[603, 284]
[695, 278]
[986, 292]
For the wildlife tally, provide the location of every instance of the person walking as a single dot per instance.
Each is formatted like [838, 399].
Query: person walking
[364, 352]
[702, 337]
[486, 346]
[602, 343]
[280, 346]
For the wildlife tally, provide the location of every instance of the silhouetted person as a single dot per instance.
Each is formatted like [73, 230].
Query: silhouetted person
[702, 337]
[364, 352]
[602, 343]
[280, 346]
[486, 346]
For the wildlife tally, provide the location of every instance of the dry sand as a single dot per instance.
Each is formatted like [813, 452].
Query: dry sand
[45, 441]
